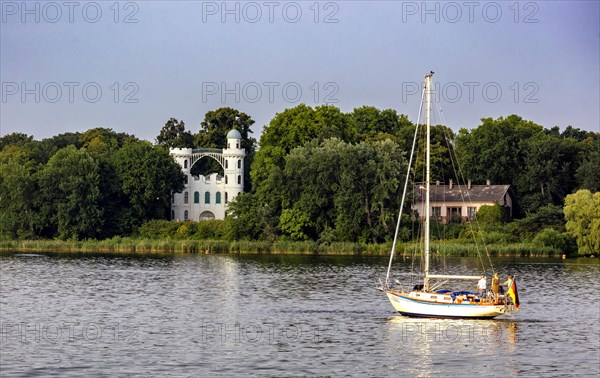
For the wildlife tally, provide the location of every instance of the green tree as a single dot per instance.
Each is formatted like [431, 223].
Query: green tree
[103, 141]
[575, 133]
[14, 139]
[17, 191]
[350, 189]
[148, 176]
[548, 216]
[550, 237]
[292, 222]
[375, 124]
[217, 123]
[495, 150]
[70, 193]
[588, 173]
[490, 214]
[213, 134]
[248, 219]
[174, 135]
[103, 144]
[293, 128]
[548, 174]
[582, 213]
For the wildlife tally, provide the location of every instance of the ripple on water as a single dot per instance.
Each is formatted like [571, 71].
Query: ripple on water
[73, 315]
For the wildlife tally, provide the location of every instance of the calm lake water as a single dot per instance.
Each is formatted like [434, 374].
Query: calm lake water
[217, 315]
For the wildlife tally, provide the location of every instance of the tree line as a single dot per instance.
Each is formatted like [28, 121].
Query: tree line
[320, 174]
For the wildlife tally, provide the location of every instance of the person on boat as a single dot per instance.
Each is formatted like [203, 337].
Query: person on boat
[495, 285]
[507, 283]
[482, 286]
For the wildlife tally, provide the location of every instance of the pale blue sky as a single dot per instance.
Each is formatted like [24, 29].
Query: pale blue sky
[542, 55]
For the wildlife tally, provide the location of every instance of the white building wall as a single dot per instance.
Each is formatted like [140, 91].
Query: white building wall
[227, 187]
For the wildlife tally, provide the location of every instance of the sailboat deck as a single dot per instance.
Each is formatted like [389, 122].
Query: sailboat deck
[445, 298]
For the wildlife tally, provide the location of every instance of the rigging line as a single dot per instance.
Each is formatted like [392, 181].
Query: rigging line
[454, 161]
[460, 177]
[387, 277]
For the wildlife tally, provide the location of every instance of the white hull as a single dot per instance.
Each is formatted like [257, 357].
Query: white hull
[412, 307]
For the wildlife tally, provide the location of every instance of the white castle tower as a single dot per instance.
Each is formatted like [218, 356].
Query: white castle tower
[206, 197]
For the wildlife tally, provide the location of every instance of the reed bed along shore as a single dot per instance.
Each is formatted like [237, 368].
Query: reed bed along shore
[136, 245]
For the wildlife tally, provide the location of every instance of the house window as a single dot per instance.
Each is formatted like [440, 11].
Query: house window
[225, 197]
[226, 164]
[225, 181]
[185, 180]
[218, 197]
[436, 212]
[185, 164]
[471, 211]
[196, 197]
[239, 164]
[239, 179]
[185, 215]
[237, 145]
[454, 214]
[207, 197]
[186, 198]
[172, 198]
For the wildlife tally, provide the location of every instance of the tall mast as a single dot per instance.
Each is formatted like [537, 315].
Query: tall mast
[427, 173]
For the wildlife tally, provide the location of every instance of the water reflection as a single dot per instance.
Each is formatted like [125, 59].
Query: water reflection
[440, 346]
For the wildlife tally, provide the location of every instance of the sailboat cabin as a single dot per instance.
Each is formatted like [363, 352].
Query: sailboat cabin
[460, 203]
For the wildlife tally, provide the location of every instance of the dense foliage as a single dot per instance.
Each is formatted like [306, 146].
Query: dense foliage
[582, 211]
[320, 175]
[95, 184]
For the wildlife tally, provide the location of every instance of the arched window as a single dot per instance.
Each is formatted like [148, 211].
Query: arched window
[239, 179]
[226, 164]
[186, 198]
[185, 180]
[225, 179]
[172, 214]
[237, 145]
[225, 197]
[239, 163]
[196, 197]
[185, 164]
[185, 215]
[206, 215]
[218, 197]
[207, 197]
[172, 198]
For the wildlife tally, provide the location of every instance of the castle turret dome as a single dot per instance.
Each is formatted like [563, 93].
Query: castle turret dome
[234, 134]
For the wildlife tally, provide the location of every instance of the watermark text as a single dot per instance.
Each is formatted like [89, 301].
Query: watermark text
[69, 91]
[270, 91]
[56, 332]
[470, 11]
[253, 12]
[266, 332]
[69, 11]
[473, 91]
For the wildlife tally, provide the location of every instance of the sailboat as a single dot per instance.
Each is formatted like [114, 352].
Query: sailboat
[426, 300]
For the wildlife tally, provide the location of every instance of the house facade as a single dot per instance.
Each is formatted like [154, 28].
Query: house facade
[455, 203]
[206, 197]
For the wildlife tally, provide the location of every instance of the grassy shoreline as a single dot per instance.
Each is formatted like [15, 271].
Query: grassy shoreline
[135, 245]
